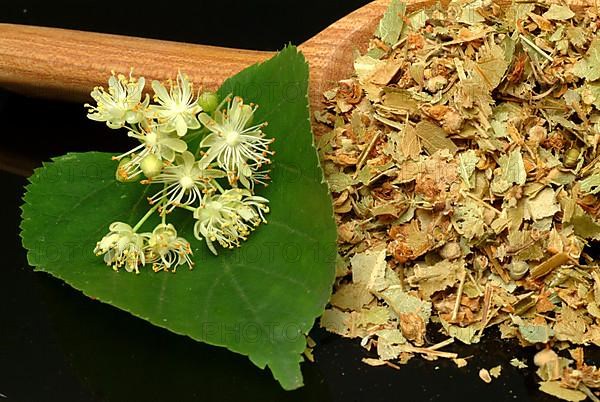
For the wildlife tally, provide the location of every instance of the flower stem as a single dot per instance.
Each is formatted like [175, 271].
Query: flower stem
[200, 133]
[163, 212]
[536, 48]
[145, 217]
[218, 186]
[187, 207]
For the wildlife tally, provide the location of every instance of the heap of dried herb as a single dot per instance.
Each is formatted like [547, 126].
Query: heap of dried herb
[464, 165]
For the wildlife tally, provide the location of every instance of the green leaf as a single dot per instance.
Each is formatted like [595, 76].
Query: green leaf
[259, 300]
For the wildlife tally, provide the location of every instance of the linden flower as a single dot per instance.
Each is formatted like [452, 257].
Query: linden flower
[229, 217]
[166, 250]
[121, 104]
[185, 182]
[177, 108]
[236, 148]
[122, 246]
[154, 142]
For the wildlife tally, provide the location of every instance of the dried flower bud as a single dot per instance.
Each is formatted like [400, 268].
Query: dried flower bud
[436, 84]
[518, 269]
[571, 156]
[451, 251]
[484, 374]
[480, 262]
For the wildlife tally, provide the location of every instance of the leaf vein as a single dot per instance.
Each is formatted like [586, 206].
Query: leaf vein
[292, 230]
[74, 207]
[209, 294]
[276, 275]
[243, 296]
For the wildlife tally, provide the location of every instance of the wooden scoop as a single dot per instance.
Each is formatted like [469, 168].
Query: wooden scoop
[67, 64]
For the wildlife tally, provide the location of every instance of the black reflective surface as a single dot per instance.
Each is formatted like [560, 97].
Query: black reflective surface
[58, 345]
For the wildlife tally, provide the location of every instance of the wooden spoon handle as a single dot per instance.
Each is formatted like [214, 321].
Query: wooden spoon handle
[67, 64]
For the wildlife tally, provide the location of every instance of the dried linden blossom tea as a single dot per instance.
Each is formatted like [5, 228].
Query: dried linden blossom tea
[463, 161]
[215, 182]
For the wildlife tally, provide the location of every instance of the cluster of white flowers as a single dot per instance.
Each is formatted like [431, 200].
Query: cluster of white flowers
[124, 247]
[216, 181]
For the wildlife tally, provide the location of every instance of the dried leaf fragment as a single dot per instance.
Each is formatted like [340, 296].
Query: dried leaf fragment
[589, 66]
[511, 171]
[434, 138]
[558, 12]
[392, 22]
[495, 371]
[518, 363]
[554, 388]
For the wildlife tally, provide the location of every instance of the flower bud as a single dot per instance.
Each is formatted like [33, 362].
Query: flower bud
[151, 166]
[571, 157]
[451, 251]
[208, 101]
[517, 269]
